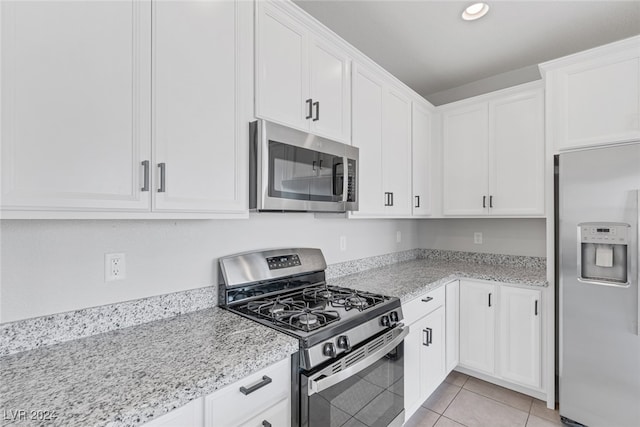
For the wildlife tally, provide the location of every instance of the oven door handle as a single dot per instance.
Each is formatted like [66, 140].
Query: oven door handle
[320, 382]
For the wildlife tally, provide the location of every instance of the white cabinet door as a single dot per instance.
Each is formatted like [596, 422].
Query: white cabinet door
[477, 325]
[330, 91]
[516, 154]
[191, 414]
[421, 160]
[282, 68]
[412, 362]
[465, 146]
[75, 104]
[368, 91]
[396, 152]
[520, 345]
[433, 350]
[597, 102]
[195, 127]
[453, 324]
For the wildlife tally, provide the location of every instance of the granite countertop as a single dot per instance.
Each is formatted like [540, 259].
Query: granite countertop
[129, 376]
[410, 279]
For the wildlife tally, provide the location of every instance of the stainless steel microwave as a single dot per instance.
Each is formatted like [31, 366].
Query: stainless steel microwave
[291, 170]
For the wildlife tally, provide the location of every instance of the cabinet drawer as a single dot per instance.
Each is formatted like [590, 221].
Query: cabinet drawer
[423, 305]
[231, 407]
[279, 415]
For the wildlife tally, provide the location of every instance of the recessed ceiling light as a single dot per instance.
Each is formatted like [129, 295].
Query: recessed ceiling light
[475, 11]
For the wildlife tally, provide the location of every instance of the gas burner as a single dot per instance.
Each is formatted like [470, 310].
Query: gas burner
[274, 308]
[359, 300]
[323, 293]
[309, 318]
[306, 319]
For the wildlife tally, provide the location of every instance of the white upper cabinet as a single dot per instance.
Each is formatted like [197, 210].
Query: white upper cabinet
[368, 90]
[382, 132]
[494, 154]
[465, 148]
[302, 80]
[105, 110]
[594, 96]
[396, 152]
[516, 154]
[75, 105]
[421, 159]
[197, 162]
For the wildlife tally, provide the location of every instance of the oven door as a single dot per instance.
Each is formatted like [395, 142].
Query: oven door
[364, 387]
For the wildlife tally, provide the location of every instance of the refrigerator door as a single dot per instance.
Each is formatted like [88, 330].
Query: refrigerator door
[599, 342]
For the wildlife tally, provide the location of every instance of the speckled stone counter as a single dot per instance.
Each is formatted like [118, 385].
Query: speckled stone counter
[410, 279]
[129, 376]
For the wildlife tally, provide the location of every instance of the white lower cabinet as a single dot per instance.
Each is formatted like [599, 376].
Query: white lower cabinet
[190, 415]
[520, 323]
[259, 400]
[477, 325]
[500, 332]
[425, 347]
[452, 324]
[263, 396]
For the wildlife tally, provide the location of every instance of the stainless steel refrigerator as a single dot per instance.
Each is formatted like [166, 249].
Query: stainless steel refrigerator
[599, 319]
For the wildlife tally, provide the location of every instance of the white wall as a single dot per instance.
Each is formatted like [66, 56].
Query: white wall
[500, 236]
[55, 266]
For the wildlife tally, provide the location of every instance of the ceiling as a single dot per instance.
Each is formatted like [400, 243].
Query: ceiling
[428, 46]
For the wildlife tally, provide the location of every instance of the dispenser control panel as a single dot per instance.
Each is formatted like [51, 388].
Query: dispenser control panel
[599, 233]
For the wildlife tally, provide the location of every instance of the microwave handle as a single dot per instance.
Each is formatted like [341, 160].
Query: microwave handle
[345, 179]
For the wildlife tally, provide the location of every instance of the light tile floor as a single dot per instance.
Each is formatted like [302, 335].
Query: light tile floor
[467, 401]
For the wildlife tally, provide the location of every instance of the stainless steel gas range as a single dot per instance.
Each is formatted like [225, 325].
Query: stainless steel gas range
[350, 368]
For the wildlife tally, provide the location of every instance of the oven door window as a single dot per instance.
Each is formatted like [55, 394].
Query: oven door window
[302, 174]
[371, 397]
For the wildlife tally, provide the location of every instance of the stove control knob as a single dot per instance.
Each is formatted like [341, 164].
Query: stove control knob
[384, 320]
[343, 342]
[394, 316]
[329, 349]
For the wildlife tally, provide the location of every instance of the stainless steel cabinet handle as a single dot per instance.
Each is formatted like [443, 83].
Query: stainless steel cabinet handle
[265, 380]
[310, 110]
[163, 172]
[266, 423]
[427, 299]
[391, 194]
[387, 199]
[317, 105]
[484, 201]
[313, 165]
[536, 308]
[145, 185]
[430, 336]
[490, 201]
[417, 201]
[489, 299]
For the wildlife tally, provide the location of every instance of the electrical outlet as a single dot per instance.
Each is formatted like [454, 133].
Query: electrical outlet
[343, 243]
[398, 236]
[477, 238]
[114, 267]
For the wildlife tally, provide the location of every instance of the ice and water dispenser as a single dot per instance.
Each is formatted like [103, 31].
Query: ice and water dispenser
[603, 253]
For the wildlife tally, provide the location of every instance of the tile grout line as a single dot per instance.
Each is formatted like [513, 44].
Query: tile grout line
[497, 401]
